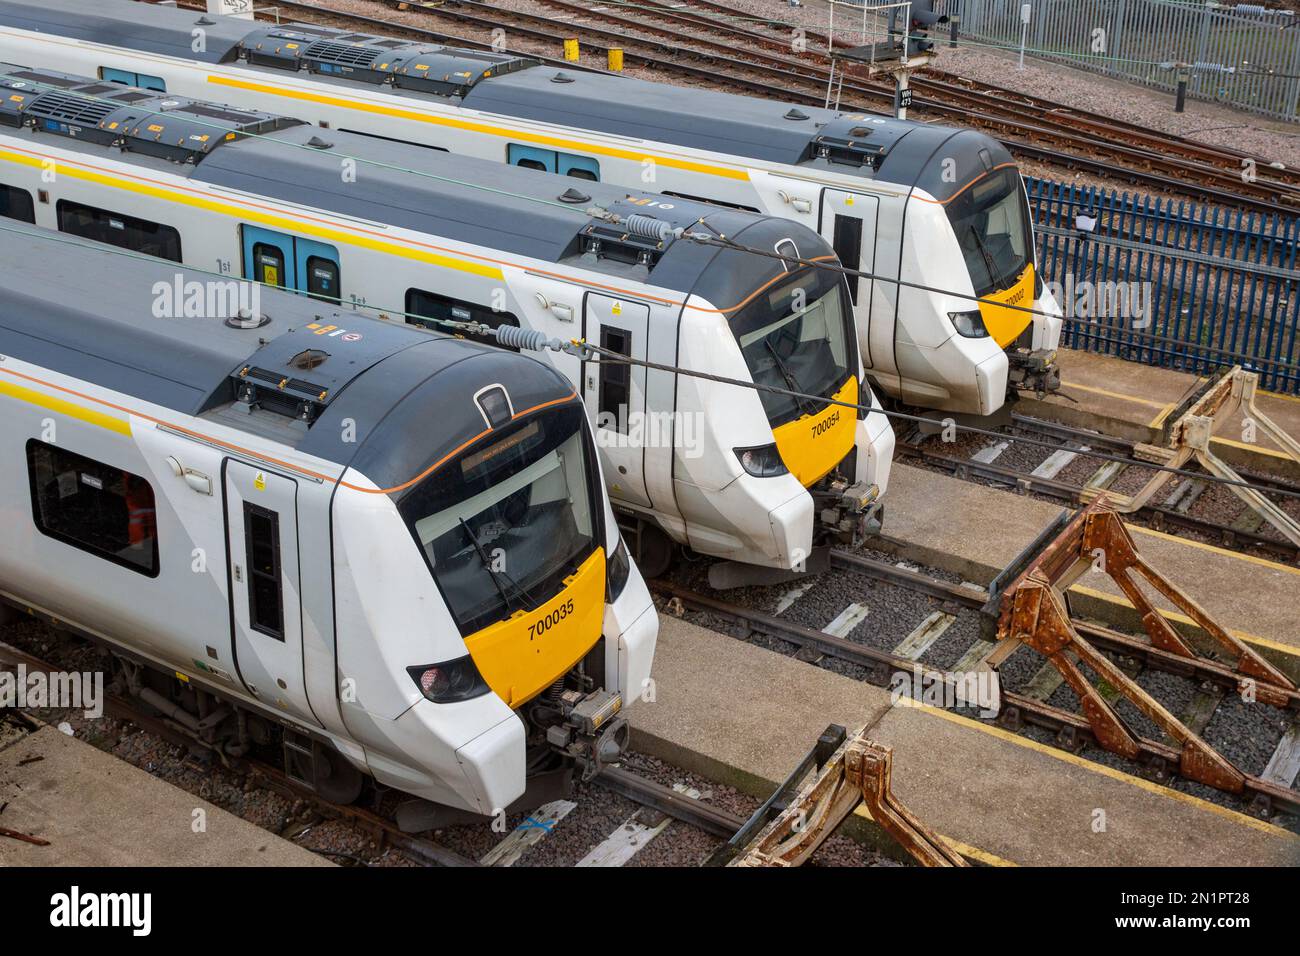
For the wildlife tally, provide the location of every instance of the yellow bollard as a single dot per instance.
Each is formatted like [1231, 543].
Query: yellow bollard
[571, 50]
[616, 60]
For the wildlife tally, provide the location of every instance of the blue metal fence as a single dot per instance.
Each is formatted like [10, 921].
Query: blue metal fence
[1214, 288]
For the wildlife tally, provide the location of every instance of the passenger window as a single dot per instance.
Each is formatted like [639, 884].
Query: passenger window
[93, 507]
[530, 157]
[115, 229]
[848, 247]
[128, 78]
[615, 396]
[434, 306]
[268, 264]
[262, 555]
[579, 167]
[322, 278]
[17, 204]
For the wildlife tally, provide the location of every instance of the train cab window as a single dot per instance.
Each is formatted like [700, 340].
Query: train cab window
[431, 305]
[268, 264]
[17, 204]
[615, 396]
[115, 229]
[847, 243]
[128, 78]
[265, 587]
[322, 278]
[93, 507]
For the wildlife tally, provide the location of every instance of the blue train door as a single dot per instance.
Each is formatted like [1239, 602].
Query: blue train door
[291, 262]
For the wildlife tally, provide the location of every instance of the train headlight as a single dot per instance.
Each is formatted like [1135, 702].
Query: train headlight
[617, 571]
[969, 324]
[763, 461]
[449, 682]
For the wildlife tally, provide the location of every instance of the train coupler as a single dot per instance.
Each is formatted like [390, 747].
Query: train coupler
[1034, 371]
[853, 512]
[590, 730]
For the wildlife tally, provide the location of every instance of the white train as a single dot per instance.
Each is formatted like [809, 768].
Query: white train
[934, 206]
[757, 477]
[389, 546]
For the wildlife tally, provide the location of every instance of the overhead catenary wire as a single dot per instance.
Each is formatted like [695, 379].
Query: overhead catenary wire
[718, 239]
[585, 350]
[598, 214]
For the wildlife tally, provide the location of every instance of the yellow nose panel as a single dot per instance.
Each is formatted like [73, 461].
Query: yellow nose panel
[526, 653]
[1005, 325]
[811, 446]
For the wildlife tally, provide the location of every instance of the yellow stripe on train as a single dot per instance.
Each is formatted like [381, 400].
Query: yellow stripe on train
[814, 444]
[526, 653]
[1005, 325]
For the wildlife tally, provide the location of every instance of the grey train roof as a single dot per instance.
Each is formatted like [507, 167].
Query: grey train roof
[507, 208]
[163, 30]
[487, 204]
[896, 151]
[85, 311]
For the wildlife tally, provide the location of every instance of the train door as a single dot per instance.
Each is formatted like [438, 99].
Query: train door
[848, 223]
[317, 269]
[266, 612]
[269, 258]
[291, 262]
[614, 393]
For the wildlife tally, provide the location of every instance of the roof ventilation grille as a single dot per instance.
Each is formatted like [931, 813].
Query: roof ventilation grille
[341, 54]
[56, 106]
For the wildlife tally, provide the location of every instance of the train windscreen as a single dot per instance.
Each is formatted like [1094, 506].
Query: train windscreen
[504, 524]
[991, 219]
[796, 336]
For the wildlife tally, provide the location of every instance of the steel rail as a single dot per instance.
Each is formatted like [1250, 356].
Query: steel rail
[1159, 516]
[975, 113]
[123, 708]
[977, 93]
[1016, 708]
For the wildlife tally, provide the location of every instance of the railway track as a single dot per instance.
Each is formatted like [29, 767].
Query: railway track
[745, 63]
[1240, 528]
[1210, 684]
[997, 111]
[984, 96]
[1095, 145]
[380, 827]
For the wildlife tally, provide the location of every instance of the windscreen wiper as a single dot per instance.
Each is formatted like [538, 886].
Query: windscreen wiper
[493, 572]
[994, 276]
[791, 382]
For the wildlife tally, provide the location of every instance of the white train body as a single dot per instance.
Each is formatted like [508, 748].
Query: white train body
[458, 240]
[154, 498]
[942, 211]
